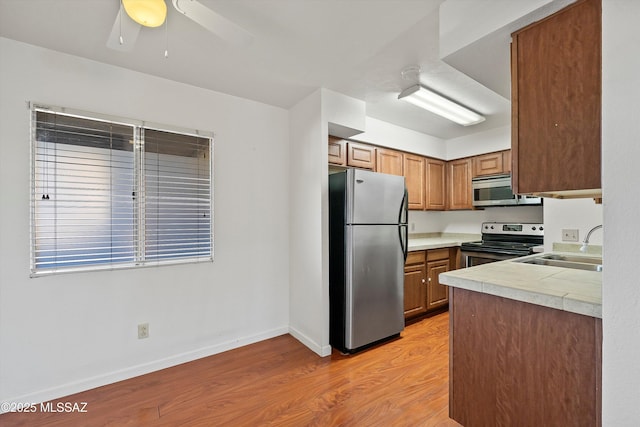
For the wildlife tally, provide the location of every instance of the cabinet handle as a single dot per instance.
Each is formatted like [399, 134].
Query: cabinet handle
[423, 281]
[429, 279]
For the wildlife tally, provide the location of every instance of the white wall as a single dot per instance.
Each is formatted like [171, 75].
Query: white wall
[583, 214]
[389, 135]
[620, 160]
[463, 22]
[470, 221]
[62, 334]
[309, 294]
[479, 143]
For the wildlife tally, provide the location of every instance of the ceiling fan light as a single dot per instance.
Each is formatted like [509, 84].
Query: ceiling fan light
[150, 13]
[437, 104]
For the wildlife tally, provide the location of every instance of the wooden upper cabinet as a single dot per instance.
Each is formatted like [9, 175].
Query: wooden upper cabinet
[337, 151]
[492, 163]
[506, 161]
[389, 161]
[435, 185]
[414, 173]
[459, 188]
[432, 184]
[488, 164]
[556, 101]
[361, 156]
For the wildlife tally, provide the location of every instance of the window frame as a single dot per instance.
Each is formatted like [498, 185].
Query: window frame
[140, 244]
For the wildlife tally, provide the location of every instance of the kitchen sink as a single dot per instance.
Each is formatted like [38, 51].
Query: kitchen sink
[566, 261]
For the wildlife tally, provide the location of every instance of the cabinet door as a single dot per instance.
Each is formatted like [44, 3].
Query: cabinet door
[556, 102]
[337, 151]
[415, 290]
[389, 161]
[435, 185]
[437, 294]
[488, 164]
[414, 173]
[506, 161]
[459, 194]
[361, 156]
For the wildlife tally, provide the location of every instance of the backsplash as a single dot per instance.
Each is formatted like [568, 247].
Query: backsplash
[470, 221]
[575, 247]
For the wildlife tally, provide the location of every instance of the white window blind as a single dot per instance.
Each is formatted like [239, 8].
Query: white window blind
[107, 194]
[177, 196]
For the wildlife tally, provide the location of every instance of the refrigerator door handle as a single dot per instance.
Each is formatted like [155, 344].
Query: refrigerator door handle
[402, 215]
[404, 240]
[403, 220]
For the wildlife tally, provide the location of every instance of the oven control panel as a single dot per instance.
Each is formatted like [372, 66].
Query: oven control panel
[519, 229]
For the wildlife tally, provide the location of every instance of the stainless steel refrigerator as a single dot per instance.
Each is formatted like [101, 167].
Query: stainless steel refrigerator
[367, 250]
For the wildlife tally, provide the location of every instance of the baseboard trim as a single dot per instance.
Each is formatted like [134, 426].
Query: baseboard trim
[142, 369]
[320, 350]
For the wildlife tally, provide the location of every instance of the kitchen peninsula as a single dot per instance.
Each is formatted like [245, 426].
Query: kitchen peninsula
[526, 345]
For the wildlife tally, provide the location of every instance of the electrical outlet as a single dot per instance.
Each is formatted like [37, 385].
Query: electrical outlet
[413, 226]
[143, 330]
[569, 235]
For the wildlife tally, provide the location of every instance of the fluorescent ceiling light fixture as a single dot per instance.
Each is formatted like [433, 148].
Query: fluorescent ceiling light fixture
[431, 101]
[150, 13]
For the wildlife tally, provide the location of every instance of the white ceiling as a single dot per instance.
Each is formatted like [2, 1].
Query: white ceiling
[355, 47]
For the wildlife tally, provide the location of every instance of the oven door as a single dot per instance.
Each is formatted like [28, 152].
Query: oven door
[471, 258]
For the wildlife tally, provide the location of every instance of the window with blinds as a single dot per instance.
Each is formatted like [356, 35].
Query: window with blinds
[109, 194]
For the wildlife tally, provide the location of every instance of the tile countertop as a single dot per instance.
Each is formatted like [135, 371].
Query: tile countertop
[420, 242]
[576, 291]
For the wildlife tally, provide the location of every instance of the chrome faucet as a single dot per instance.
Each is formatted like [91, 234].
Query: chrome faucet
[583, 248]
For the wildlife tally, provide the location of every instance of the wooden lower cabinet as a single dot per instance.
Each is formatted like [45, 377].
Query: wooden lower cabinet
[518, 364]
[415, 289]
[437, 294]
[422, 289]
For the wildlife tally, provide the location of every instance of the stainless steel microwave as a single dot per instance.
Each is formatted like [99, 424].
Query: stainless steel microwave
[496, 191]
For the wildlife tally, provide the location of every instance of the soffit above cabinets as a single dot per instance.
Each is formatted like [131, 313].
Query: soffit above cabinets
[357, 48]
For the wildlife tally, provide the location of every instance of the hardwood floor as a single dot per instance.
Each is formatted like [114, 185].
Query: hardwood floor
[279, 382]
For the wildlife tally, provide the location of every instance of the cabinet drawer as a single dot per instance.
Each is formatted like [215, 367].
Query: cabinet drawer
[437, 254]
[416, 257]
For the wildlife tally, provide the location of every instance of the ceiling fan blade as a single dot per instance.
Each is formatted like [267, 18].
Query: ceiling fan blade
[130, 30]
[214, 22]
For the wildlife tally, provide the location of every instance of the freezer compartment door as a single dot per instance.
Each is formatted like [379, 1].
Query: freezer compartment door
[374, 284]
[375, 198]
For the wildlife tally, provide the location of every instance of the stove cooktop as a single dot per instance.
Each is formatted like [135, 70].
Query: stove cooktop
[507, 238]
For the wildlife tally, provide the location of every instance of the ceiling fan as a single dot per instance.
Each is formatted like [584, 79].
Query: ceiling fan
[128, 23]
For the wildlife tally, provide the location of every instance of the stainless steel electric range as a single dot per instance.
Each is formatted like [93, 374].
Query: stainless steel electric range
[502, 241]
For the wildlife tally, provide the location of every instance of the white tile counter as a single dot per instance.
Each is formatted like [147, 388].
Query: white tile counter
[576, 291]
[420, 242]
